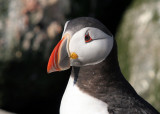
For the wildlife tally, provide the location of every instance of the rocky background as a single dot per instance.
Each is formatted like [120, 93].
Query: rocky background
[139, 43]
[29, 30]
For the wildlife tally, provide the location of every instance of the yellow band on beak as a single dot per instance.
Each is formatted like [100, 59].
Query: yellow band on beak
[73, 55]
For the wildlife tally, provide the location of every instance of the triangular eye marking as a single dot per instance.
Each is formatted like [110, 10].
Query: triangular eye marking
[88, 37]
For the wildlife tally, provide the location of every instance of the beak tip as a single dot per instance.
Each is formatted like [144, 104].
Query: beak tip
[50, 68]
[48, 71]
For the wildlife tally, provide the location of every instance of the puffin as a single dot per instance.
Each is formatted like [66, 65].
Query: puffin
[96, 84]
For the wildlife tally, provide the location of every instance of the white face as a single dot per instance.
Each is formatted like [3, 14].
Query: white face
[91, 45]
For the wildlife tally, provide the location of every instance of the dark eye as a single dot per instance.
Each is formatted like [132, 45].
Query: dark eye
[87, 38]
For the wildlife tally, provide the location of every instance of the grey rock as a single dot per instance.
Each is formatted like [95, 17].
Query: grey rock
[139, 37]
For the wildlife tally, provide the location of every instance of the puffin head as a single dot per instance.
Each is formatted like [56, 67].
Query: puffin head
[85, 41]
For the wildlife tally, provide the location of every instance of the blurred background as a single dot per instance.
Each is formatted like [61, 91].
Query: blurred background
[29, 30]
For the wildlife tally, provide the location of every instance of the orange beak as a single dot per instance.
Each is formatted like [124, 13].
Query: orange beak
[59, 59]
